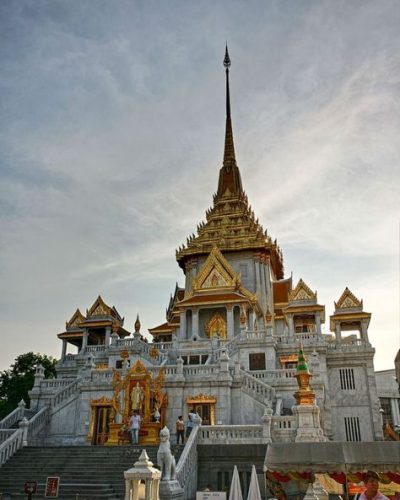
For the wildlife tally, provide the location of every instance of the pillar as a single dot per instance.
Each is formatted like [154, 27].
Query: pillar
[318, 322]
[230, 323]
[195, 322]
[182, 327]
[266, 423]
[364, 331]
[84, 341]
[338, 332]
[108, 334]
[290, 325]
[394, 404]
[64, 349]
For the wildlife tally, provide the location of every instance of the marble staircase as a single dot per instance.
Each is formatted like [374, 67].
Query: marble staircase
[90, 472]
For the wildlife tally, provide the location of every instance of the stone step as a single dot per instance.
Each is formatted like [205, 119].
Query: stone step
[90, 471]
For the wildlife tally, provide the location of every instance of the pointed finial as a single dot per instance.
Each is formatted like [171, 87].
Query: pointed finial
[227, 60]
[137, 324]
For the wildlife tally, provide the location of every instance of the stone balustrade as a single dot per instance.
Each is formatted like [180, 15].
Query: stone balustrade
[230, 434]
[5, 434]
[163, 346]
[354, 345]
[203, 370]
[186, 468]
[38, 422]
[13, 417]
[54, 383]
[273, 375]
[102, 375]
[64, 393]
[258, 389]
[11, 445]
[95, 348]
[283, 428]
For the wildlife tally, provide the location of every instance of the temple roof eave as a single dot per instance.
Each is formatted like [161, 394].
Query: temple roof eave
[214, 298]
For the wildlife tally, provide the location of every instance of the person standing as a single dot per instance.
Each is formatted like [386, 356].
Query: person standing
[371, 481]
[134, 427]
[180, 429]
[190, 423]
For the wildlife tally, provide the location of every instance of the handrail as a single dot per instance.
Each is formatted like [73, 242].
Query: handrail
[11, 445]
[258, 389]
[186, 469]
[64, 393]
[230, 434]
[5, 434]
[37, 422]
[13, 417]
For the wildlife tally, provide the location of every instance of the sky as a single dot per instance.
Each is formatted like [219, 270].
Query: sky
[111, 139]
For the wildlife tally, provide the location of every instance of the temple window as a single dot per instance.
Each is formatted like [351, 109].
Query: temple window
[352, 427]
[347, 379]
[257, 361]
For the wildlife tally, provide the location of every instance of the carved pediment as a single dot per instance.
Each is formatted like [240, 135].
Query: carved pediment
[302, 292]
[75, 320]
[100, 308]
[216, 273]
[348, 301]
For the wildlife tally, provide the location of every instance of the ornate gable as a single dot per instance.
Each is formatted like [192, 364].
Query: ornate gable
[216, 273]
[302, 292]
[100, 308]
[75, 320]
[348, 301]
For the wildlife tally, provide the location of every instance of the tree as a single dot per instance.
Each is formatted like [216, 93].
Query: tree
[18, 379]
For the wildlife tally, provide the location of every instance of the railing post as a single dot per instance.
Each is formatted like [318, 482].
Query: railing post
[24, 424]
[266, 423]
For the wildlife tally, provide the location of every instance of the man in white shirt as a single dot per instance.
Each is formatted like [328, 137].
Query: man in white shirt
[134, 423]
[371, 481]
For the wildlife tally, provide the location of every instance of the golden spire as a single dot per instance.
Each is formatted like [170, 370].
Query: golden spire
[230, 182]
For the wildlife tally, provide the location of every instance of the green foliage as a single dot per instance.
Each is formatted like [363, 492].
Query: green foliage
[18, 379]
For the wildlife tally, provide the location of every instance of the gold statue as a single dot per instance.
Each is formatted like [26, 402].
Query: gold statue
[137, 397]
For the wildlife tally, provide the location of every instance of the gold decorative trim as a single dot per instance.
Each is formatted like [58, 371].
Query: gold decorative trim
[201, 398]
[216, 327]
[348, 301]
[75, 320]
[302, 292]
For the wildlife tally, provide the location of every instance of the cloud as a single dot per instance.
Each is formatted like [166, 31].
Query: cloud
[112, 137]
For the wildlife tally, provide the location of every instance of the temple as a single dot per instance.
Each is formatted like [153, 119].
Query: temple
[241, 345]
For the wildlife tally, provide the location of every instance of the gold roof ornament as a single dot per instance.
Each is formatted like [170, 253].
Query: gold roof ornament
[348, 301]
[100, 308]
[349, 312]
[75, 320]
[302, 292]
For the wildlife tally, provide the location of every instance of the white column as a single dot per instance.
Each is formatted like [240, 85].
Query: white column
[338, 332]
[84, 340]
[195, 322]
[394, 403]
[230, 325]
[291, 325]
[364, 331]
[64, 349]
[318, 322]
[108, 334]
[182, 327]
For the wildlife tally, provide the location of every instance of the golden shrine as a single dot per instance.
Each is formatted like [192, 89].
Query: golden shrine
[136, 391]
